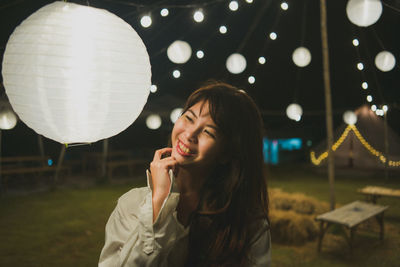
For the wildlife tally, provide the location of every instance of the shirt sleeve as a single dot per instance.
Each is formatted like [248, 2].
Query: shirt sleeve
[132, 239]
[260, 252]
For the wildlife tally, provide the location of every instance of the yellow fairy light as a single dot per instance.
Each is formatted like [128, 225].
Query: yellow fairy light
[317, 160]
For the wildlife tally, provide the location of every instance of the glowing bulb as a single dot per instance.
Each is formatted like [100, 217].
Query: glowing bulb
[175, 114]
[251, 79]
[145, 21]
[176, 74]
[284, 6]
[356, 42]
[273, 35]
[360, 66]
[369, 98]
[233, 5]
[153, 88]
[153, 121]
[249, 1]
[199, 54]
[198, 16]
[364, 85]
[261, 60]
[379, 112]
[164, 12]
[223, 29]
[385, 108]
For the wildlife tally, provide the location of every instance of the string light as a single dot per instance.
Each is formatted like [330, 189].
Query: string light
[373, 108]
[233, 5]
[369, 98]
[261, 60]
[153, 88]
[360, 66]
[251, 79]
[223, 29]
[249, 1]
[176, 74]
[273, 35]
[199, 54]
[284, 6]
[198, 16]
[145, 21]
[379, 112]
[385, 108]
[364, 85]
[317, 160]
[356, 42]
[164, 12]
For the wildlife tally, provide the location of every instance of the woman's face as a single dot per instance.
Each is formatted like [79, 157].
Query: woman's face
[195, 138]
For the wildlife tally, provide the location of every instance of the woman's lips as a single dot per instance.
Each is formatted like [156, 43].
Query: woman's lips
[183, 149]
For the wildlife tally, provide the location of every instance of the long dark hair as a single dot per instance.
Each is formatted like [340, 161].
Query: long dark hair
[234, 199]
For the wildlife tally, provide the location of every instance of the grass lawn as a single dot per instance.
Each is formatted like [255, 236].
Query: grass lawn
[66, 227]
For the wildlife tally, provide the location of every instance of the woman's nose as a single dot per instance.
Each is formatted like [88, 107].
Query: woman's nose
[191, 134]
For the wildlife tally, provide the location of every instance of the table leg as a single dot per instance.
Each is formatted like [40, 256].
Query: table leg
[322, 230]
[379, 217]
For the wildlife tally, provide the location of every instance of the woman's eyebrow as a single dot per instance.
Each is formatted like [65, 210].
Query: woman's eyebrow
[191, 111]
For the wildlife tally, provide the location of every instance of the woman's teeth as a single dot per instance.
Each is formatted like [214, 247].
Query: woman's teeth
[184, 148]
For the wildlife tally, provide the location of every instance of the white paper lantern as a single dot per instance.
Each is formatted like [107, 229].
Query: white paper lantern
[179, 52]
[236, 63]
[385, 61]
[294, 112]
[8, 119]
[153, 121]
[75, 73]
[364, 13]
[175, 114]
[301, 56]
[350, 117]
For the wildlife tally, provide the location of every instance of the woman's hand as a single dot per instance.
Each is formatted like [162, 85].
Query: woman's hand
[159, 169]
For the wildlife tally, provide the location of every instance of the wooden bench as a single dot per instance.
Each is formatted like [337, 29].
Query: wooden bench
[23, 165]
[350, 216]
[374, 192]
[130, 163]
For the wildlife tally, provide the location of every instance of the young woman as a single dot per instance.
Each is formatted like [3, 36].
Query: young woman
[206, 203]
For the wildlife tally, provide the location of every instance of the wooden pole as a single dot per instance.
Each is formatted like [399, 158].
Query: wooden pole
[386, 147]
[328, 102]
[104, 160]
[59, 164]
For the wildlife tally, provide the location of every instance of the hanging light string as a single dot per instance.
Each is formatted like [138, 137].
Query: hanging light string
[391, 7]
[382, 158]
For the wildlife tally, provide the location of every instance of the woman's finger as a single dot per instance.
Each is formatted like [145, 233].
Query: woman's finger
[158, 154]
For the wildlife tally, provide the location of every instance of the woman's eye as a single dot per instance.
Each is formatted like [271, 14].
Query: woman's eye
[189, 118]
[209, 133]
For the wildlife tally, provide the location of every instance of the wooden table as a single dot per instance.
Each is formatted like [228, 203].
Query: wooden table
[374, 192]
[350, 216]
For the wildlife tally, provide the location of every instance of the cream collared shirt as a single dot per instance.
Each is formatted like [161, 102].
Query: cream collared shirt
[132, 239]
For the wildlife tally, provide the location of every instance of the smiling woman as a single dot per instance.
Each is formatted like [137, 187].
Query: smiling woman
[206, 202]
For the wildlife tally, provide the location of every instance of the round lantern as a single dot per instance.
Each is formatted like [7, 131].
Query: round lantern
[8, 119]
[179, 52]
[385, 61]
[175, 114]
[153, 121]
[364, 13]
[350, 117]
[301, 56]
[75, 73]
[236, 63]
[294, 112]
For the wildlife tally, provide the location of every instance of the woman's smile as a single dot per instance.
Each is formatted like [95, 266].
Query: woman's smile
[183, 149]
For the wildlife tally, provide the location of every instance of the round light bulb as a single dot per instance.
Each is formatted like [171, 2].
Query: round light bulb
[373, 107]
[175, 114]
[360, 66]
[369, 98]
[153, 121]
[153, 88]
[223, 29]
[251, 79]
[164, 12]
[176, 74]
[249, 1]
[261, 60]
[364, 85]
[356, 42]
[233, 5]
[385, 108]
[284, 6]
[199, 54]
[273, 36]
[145, 21]
[198, 16]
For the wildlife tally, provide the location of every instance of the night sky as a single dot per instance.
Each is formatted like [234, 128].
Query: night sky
[279, 81]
